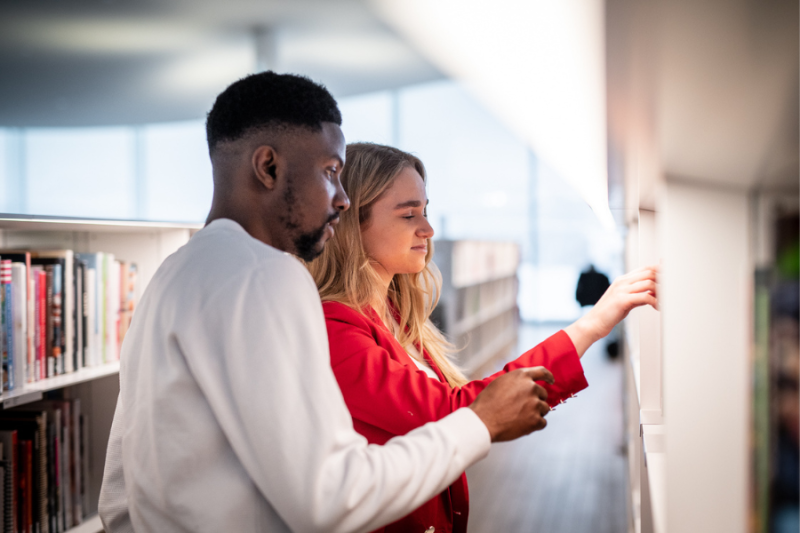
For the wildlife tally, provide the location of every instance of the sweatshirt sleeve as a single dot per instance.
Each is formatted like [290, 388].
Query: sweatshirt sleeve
[262, 362]
[387, 394]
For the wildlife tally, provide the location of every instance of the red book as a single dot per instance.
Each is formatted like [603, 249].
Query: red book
[22, 511]
[29, 485]
[42, 355]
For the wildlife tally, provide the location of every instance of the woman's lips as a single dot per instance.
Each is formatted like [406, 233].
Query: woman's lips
[421, 249]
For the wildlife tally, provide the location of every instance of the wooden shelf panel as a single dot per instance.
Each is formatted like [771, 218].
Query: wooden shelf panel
[32, 392]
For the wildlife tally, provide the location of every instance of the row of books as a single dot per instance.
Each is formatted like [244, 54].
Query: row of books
[61, 311]
[44, 467]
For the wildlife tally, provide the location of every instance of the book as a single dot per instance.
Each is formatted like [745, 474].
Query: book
[8, 329]
[84, 458]
[112, 309]
[27, 427]
[9, 440]
[78, 360]
[55, 279]
[66, 258]
[50, 367]
[25, 258]
[40, 321]
[96, 296]
[33, 426]
[92, 330]
[19, 291]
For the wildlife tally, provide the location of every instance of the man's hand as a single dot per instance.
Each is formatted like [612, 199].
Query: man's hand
[513, 405]
[632, 290]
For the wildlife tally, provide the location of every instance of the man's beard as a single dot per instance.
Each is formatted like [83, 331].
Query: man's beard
[306, 245]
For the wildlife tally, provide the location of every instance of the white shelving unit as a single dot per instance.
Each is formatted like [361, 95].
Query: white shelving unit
[478, 305]
[145, 243]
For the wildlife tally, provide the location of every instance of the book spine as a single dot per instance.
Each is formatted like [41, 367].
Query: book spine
[30, 318]
[42, 465]
[77, 352]
[58, 470]
[29, 519]
[48, 306]
[58, 324]
[91, 316]
[85, 487]
[15, 482]
[19, 282]
[41, 355]
[66, 456]
[8, 325]
[68, 313]
[75, 462]
[35, 326]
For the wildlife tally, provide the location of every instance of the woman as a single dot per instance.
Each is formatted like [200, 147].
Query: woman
[378, 289]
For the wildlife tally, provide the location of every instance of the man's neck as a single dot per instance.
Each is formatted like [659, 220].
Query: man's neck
[256, 229]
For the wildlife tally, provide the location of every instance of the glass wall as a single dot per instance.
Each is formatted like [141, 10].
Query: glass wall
[484, 183]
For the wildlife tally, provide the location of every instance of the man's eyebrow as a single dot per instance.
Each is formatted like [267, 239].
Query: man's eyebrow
[410, 203]
[338, 160]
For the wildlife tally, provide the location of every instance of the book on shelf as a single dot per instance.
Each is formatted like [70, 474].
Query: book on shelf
[9, 442]
[61, 311]
[49, 488]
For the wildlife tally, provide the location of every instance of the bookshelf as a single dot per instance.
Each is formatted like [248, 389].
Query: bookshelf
[478, 306]
[145, 243]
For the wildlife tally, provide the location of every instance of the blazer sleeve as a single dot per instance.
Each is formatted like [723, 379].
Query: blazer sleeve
[385, 393]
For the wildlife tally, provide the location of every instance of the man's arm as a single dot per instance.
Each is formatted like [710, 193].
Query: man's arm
[262, 362]
[113, 505]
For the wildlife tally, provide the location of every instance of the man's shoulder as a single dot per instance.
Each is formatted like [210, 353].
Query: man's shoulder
[223, 261]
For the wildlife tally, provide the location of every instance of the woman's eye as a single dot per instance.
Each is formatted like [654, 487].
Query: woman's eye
[408, 217]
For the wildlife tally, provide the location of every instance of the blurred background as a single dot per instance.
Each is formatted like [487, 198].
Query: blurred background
[558, 136]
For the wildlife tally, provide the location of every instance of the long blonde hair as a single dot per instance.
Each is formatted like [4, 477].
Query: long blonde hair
[343, 272]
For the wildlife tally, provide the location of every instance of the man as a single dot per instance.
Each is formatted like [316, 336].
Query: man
[229, 417]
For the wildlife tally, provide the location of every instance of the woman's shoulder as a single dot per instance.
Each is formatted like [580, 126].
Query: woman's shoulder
[340, 312]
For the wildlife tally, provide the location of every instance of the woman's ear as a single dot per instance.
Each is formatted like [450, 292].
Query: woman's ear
[265, 164]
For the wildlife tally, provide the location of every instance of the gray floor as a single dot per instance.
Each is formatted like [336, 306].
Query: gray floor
[569, 478]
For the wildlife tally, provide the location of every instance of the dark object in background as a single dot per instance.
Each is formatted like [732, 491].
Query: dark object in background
[591, 286]
[612, 349]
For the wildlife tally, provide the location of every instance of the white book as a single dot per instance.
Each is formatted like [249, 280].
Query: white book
[19, 308]
[90, 275]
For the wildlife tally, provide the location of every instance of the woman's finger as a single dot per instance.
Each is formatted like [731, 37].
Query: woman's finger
[639, 275]
[643, 298]
[644, 286]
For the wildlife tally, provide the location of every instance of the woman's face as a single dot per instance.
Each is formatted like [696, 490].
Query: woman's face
[396, 234]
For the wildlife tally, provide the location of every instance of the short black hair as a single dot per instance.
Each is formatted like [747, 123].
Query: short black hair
[266, 100]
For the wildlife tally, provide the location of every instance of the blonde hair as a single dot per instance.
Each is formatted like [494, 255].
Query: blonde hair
[343, 272]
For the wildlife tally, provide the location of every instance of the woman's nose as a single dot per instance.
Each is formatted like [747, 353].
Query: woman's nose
[426, 230]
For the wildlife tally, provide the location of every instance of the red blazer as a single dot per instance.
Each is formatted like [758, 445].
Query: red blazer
[388, 396]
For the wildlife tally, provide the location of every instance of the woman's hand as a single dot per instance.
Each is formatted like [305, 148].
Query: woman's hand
[632, 290]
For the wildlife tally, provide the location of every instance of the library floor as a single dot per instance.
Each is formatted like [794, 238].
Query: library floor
[569, 478]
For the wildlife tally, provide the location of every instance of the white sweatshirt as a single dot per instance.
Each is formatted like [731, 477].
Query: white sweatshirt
[230, 419]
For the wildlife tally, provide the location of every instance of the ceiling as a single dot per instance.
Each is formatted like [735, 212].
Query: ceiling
[705, 92]
[100, 62]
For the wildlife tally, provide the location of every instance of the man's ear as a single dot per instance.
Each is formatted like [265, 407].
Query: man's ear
[265, 164]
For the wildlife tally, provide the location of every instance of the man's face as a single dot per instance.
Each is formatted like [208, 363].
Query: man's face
[313, 195]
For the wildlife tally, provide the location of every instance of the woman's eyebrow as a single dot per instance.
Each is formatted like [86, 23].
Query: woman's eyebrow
[410, 203]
